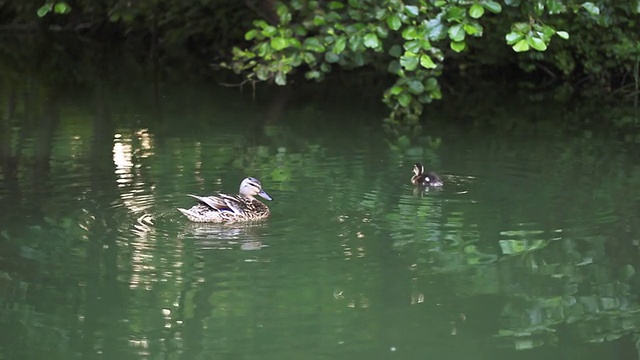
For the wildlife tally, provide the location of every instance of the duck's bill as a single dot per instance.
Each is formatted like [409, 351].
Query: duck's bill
[265, 195]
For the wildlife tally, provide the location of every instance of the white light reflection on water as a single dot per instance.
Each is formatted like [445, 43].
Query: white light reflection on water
[128, 151]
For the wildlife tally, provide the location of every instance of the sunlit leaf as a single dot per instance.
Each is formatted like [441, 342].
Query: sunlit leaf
[563, 34]
[283, 14]
[426, 62]
[513, 37]
[435, 29]
[278, 43]
[262, 72]
[413, 46]
[409, 62]
[492, 6]
[269, 31]
[537, 43]
[411, 10]
[281, 78]
[313, 44]
[371, 41]
[521, 46]
[410, 33]
[476, 11]
[458, 46]
[457, 33]
[394, 22]
[473, 29]
[61, 8]
[396, 90]
[592, 8]
[340, 45]
[44, 10]
[251, 34]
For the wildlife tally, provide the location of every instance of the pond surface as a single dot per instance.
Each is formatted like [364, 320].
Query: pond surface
[529, 250]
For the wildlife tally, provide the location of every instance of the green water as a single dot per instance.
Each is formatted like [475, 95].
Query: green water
[529, 251]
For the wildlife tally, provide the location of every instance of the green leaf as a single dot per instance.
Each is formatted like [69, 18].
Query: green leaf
[416, 87]
[412, 10]
[269, 31]
[521, 46]
[340, 45]
[455, 14]
[309, 58]
[331, 57]
[281, 78]
[476, 11]
[413, 46]
[473, 29]
[44, 10]
[371, 41]
[61, 8]
[426, 62]
[537, 43]
[314, 74]
[336, 5]
[394, 22]
[555, 7]
[251, 34]
[404, 99]
[262, 72]
[410, 33]
[283, 14]
[395, 51]
[435, 29]
[279, 43]
[456, 33]
[313, 44]
[592, 8]
[563, 34]
[394, 67]
[493, 6]
[410, 63]
[513, 37]
[458, 46]
[396, 90]
[356, 44]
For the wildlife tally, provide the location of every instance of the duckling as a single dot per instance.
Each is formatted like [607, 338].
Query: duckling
[420, 178]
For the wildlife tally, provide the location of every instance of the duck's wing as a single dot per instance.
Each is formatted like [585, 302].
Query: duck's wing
[222, 203]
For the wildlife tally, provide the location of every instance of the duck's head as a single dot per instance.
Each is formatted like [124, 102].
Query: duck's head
[251, 187]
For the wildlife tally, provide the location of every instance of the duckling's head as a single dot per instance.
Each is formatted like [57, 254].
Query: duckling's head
[418, 169]
[251, 187]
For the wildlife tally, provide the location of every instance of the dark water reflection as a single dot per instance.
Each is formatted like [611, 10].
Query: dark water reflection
[529, 250]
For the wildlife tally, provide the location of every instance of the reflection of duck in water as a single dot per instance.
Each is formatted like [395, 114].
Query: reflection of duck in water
[227, 208]
[420, 178]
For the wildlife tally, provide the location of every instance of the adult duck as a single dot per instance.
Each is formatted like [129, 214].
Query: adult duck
[224, 208]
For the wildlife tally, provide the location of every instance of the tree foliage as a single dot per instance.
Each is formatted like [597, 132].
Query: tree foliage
[412, 40]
